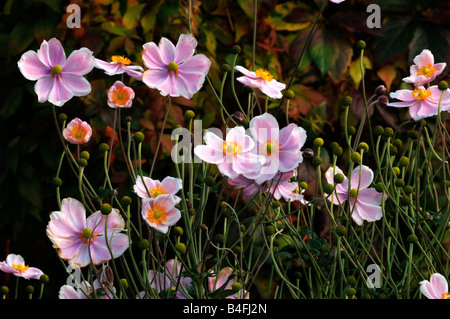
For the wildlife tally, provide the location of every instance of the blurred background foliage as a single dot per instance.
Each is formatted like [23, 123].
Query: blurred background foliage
[30, 148]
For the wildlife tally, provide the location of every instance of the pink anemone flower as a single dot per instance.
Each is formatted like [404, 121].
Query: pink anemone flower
[81, 240]
[15, 264]
[120, 65]
[424, 70]
[77, 132]
[280, 148]
[160, 212]
[249, 187]
[262, 80]
[58, 79]
[224, 280]
[436, 288]
[233, 155]
[422, 102]
[281, 187]
[175, 70]
[150, 188]
[120, 95]
[84, 290]
[365, 202]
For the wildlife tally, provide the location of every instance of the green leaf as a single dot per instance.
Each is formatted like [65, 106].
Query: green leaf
[132, 15]
[277, 18]
[323, 50]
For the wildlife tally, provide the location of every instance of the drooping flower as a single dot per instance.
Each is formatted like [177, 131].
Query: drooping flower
[424, 70]
[160, 212]
[281, 187]
[280, 148]
[150, 188]
[422, 102]
[84, 290]
[436, 288]
[233, 155]
[58, 79]
[224, 278]
[120, 95]
[365, 202]
[77, 132]
[15, 264]
[82, 240]
[262, 80]
[175, 70]
[118, 65]
[249, 187]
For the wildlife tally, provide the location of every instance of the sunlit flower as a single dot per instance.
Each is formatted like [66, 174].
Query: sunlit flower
[280, 148]
[150, 188]
[58, 79]
[120, 95]
[77, 131]
[118, 65]
[225, 278]
[232, 155]
[81, 240]
[424, 70]
[175, 70]
[262, 80]
[422, 102]
[365, 202]
[160, 212]
[15, 264]
[436, 288]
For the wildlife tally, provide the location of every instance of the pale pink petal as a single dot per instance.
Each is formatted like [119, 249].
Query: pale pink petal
[292, 138]
[246, 163]
[403, 104]
[77, 84]
[31, 67]
[264, 127]
[424, 58]
[167, 50]
[361, 178]
[226, 168]
[173, 216]
[272, 88]
[246, 72]
[439, 283]
[153, 78]
[59, 93]
[370, 196]
[134, 71]
[171, 185]
[403, 95]
[80, 62]
[74, 212]
[289, 160]
[110, 68]
[152, 58]
[192, 82]
[214, 141]
[366, 211]
[197, 64]
[427, 109]
[185, 48]
[32, 273]
[43, 88]
[69, 292]
[208, 154]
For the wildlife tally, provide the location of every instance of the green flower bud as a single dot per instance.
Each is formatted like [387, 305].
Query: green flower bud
[341, 230]
[85, 155]
[328, 188]
[242, 228]
[225, 67]
[219, 238]
[403, 162]
[124, 283]
[192, 212]
[443, 85]
[405, 200]
[398, 143]
[396, 171]
[346, 101]
[181, 248]
[318, 142]
[351, 130]
[62, 117]
[236, 287]
[56, 181]
[337, 150]
[82, 162]
[237, 249]
[126, 201]
[289, 94]
[339, 178]
[351, 280]
[413, 135]
[360, 45]
[408, 189]
[236, 49]
[44, 279]
[4, 290]
[210, 181]
[189, 115]
[270, 230]
[400, 183]
[138, 137]
[355, 157]
[388, 132]
[103, 147]
[29, 289]
[378, 130]
[316, 161]
[379, 187]
[303, 185]
[105, 209]
[128, 119]
[412, 239]
[363, 146]
[178, 231]
[393, 150]
[351, 292]
[143, 244]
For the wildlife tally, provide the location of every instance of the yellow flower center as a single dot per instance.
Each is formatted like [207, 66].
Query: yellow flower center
[353, 193]
[426, 70]
[120, 59]
[156, 191]
[445, 295]
[157, 214]
[57, 69]
[231, 148]
[120, 97]
[270, 147]
[86, 234]
[264, 74]
[78, 133]
[20, 267]
[422, 93]
[173, 67]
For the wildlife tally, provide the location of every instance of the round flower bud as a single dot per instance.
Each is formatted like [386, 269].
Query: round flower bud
[289, 94]
[82, 162]
[337, 150]
[405, 201]
[398, 143]
[192, 211]
[380, 90]
[189, 115]
[239, 116]
[412, 239]
[339, 178]
[126, 201]
[378, 130]
[138, 137]
[396, 171]
[210, 181]
[333, 145]
[4, 290]
[318, 142]
[360, 45]
[316, 161]
[236, 287]
[346, 101]
[308, 153]
[303, 185]
[408, 189]
[365, 295]
[57, 181]
[225, 67]
[85, 155]
[351, 130]
[103, 147]
[62, 117]
[270, 230]
[341, 230]
[328, 188]
[219, 238]
[351, 280]
[443, 85]
[143, 244]
[388, 132]
[44, 279]
[355, 157]
[178, 231]
[363, 146]
[379, 187]
[128, 119]
[400, 183]
[181, 248]
[105, 209]
[393, 150]
[242, 228]
[29, 289]
[383, 100]
[413, 135]
[351, 292]
[236, 49]
[237, 249]
[124, 283]
[403, 162]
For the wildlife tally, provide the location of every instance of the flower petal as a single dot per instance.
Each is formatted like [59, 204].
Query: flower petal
[43, 87]
[167, 50]
[78, 85]
[185, 48]
[80, 62]
[59, 93]
[31, 67]
[361, 178]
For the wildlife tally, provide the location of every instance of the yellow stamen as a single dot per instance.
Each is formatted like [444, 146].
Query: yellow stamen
[156, 191]
[157, 214]
[264, 74]
[445, 295]
[20, 267]
[422, 93]
[120, 97]
[78, 133]
[120, 59]
[427, 70]
[231, 148]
